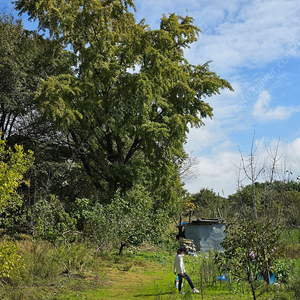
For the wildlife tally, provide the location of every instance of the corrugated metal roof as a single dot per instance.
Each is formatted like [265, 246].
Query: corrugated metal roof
[203, 222]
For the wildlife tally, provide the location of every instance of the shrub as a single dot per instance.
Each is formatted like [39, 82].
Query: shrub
[73, 257]
[283, 269]
[51, 220]
[294, 281]
[10, 261]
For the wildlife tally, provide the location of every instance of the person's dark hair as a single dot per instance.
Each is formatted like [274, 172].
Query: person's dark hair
[182, 249]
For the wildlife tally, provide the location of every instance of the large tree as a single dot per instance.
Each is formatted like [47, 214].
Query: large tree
[26, 58]
[132, 95]
[209, 205]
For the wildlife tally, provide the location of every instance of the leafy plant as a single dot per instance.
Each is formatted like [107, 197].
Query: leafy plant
[51, 220]
[13, 165]
[10, 261]
[283, 269]
[250, 249]
[128, 220]
[73, 256]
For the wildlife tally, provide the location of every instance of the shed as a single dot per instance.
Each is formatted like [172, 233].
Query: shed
[207, 234]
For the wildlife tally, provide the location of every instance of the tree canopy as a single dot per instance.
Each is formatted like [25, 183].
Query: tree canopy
[106, 103]
[128, 103]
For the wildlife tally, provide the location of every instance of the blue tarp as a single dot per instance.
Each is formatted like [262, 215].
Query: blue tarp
[223, 277]
[272, 277]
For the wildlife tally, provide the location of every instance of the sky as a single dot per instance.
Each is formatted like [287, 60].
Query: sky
[255, 45]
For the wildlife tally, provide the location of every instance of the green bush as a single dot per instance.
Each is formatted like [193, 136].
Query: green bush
[51, 220]
[294, 280]
[39, 261]
[127, 221]
[10, 261]
[74, 257]
[283, 269]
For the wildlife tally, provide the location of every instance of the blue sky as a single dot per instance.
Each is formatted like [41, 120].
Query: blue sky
[255, 45]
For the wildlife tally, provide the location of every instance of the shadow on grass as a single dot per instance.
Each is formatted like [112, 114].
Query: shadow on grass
[153, 294]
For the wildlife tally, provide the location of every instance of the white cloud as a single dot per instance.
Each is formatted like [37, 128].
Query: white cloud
[219, 171]
[249, 34]
[265, 114]
[216, 172]
[237, 33]
[199, 139]
[292, 153]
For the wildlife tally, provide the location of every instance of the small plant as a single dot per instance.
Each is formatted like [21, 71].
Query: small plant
[51, 219]
[125, 267]
[283, 269]
[73, 256]
[294, 280]
[10, 261]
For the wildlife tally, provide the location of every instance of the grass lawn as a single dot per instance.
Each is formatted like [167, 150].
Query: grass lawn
[141, 275]
[146, 276]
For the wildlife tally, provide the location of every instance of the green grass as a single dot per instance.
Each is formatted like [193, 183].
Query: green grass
[141, 275]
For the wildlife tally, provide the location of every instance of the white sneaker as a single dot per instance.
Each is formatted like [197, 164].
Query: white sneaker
[195, 291]
[181, 292]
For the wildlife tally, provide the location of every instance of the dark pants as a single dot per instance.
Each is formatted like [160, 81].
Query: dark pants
[187, 277]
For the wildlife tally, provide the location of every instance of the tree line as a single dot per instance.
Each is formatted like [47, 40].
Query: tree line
[104, 103]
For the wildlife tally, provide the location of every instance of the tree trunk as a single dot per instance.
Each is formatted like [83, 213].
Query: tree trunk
[253, 290]
[254, 202]
[121, 248]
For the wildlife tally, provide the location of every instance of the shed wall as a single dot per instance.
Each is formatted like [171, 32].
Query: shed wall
[206, 237]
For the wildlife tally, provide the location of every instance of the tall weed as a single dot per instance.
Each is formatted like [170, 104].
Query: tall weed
[74, 257]
[39, 260]
[294, 281]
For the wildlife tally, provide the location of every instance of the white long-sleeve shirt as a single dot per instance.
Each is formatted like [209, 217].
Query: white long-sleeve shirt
[178, 264]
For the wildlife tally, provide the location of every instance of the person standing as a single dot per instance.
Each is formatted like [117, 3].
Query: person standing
[179, 269]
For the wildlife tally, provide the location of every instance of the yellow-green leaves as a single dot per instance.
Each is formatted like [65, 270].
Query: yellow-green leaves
[10, 261]
[132, 95]
[13, 165]
[74, 20]
[58, 97]
[181, 29]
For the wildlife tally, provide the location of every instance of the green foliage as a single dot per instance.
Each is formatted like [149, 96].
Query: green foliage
[208, 204]
[26, 58]
[128, 220]
[13, 165]
[294, 281]
[124, 127]
[250, 248]
[73, 256]
[291, 202]
[208, 271]
[59, 16]
[10, 261]
[50, 220]
[14, 65]
[279, 199]
[40, 262]
[13, 219]
[283, 268]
